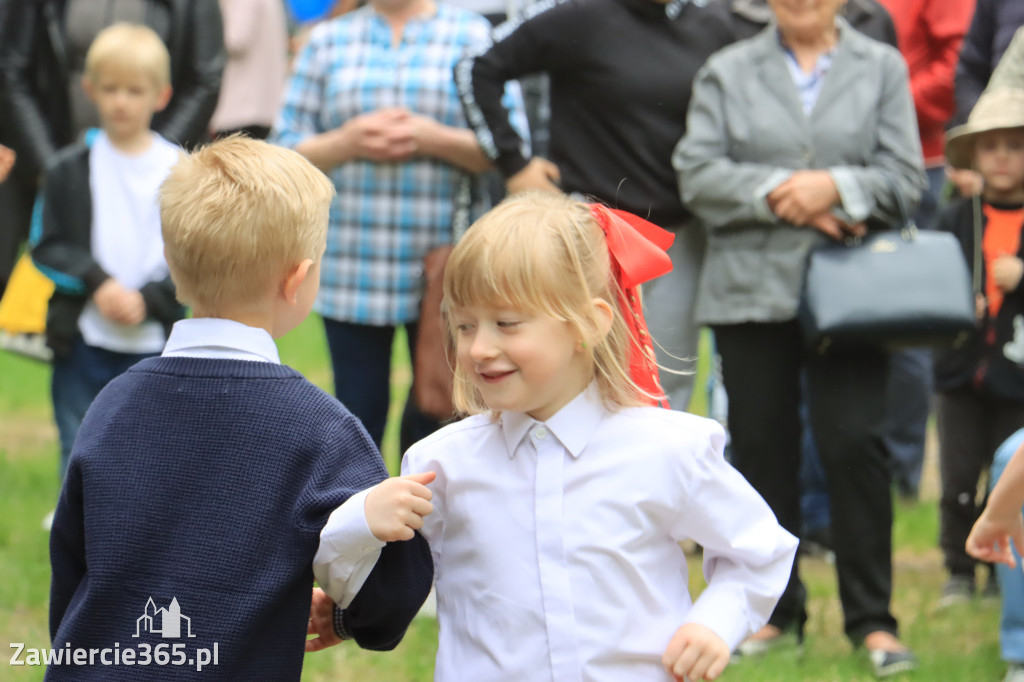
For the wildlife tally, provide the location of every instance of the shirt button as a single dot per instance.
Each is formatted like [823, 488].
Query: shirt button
[541, 433]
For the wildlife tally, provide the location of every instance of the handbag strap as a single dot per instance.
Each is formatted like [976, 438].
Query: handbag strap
[978, 266]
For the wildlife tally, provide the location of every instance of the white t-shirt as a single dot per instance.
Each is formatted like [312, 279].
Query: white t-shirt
[126, 239]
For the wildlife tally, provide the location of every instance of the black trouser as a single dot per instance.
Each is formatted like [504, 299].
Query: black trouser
[761, 365]
[971, 426]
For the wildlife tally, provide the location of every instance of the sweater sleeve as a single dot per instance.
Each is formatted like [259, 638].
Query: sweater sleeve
[399, 582]
[67, 547]
[161, 302]
[540, 43]
[391, 596]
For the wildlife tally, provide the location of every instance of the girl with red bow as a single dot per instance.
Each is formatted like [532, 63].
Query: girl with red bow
[561, 500]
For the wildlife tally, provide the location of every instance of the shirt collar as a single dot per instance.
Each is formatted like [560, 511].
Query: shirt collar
[212, 337]
[572, 425]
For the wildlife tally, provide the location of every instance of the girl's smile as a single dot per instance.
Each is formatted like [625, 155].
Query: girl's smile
[520, 361]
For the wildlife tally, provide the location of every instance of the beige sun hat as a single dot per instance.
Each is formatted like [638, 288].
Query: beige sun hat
[996, 109]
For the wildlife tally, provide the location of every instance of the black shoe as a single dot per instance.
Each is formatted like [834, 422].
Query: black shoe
[958, 590]
[888, 663]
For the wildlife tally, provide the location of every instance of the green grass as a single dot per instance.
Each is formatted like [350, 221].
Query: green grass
[959, 645]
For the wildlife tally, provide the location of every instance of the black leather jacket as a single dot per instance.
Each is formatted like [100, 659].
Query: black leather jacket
[34, 74]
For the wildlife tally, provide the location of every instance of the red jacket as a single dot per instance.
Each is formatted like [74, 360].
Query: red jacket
[929, 34]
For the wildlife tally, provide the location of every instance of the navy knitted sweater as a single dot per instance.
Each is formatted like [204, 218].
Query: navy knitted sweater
[199, 487]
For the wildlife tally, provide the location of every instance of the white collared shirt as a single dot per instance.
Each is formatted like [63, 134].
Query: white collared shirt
[348, 549]
[556, 544]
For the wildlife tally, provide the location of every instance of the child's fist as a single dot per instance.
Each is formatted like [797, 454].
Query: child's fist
[1007, 271]
[395, 508]
[695, 652]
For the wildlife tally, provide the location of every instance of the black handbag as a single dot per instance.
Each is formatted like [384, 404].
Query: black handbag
[891, 289]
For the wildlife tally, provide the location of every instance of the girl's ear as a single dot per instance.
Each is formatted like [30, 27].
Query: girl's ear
[603, 315]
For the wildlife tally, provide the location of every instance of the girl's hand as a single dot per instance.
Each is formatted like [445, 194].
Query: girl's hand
[980, 307]
[695, 652]
[395, 507]
[1007, 271]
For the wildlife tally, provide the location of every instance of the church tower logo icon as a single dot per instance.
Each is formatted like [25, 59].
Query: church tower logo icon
[165, 622]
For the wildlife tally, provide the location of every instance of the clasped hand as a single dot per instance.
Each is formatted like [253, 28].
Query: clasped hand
[807, 198]
[390, 135]
[119, 304]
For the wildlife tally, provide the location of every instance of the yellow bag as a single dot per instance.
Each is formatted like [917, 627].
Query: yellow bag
[24, 303]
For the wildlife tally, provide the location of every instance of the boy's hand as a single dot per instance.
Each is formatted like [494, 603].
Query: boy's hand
[321, 622]
[396, 507]
[968, 182]
[1007, 271]
[118, 304]
[695, 652]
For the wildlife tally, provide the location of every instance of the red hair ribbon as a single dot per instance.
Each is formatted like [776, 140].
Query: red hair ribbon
[637, 249]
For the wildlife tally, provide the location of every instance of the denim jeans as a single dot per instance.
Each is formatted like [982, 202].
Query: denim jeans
[361, 359]
[77, 380]
[1011, 580]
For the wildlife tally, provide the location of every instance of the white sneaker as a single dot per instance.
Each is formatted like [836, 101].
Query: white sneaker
[48, 520]
[1015, 673]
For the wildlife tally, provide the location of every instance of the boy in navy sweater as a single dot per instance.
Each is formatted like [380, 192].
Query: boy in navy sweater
[187, 534]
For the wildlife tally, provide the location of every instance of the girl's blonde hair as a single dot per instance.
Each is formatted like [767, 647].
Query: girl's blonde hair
[543, 252]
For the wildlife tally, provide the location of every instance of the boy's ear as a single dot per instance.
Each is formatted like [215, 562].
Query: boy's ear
[88, 88]
[294, 279]
[163, 98]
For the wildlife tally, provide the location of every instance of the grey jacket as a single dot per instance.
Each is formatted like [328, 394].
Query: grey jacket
[747, 132]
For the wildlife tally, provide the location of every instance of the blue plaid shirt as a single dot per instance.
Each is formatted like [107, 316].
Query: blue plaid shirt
[386, 216]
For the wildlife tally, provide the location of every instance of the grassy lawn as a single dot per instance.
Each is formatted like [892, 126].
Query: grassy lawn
[957, 645]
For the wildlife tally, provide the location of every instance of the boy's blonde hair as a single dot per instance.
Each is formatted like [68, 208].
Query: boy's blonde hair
[130, 47]
[237, 215]
[543, 252]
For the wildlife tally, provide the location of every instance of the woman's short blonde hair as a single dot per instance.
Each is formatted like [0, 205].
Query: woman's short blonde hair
[236, 215]
[133, 47]
[543, 252]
